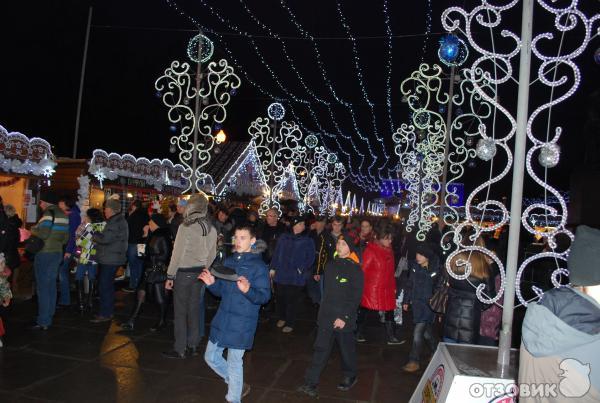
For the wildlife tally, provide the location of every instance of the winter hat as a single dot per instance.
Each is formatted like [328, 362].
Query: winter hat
[424, 249]
[584, 257]
[296, 219]
[159, 220]
[350, 242]
[48, 196]
[114, 205]
[198, 203]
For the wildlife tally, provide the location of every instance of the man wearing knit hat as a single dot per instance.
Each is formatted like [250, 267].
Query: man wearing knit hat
[53, 229]
[111, 253]
[343, 288]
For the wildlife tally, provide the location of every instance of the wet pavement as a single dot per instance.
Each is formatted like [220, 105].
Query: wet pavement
[77, 361]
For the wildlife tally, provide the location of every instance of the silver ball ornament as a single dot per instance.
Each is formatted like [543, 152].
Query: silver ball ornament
[549, 155]
[486, 149]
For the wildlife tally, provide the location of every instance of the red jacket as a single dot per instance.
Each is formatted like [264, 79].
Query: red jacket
[380, 285]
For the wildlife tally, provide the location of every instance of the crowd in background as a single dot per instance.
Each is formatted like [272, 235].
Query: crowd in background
[350, 268]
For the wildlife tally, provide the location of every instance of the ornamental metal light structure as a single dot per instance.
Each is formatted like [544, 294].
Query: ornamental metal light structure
[278, 144]
[558, 73]
[438, 141]
[197, 102]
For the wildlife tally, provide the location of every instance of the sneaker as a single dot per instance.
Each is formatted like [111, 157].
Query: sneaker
[173, 354]
[393, 341]
[37, 327]
[101, 319]
[192, 352]
[280, 323]
[128, 290]
[347, 383]
[360, 338]
[310, 390]
[287, 329]
[245, 390]
[121, 277]
[411, 366]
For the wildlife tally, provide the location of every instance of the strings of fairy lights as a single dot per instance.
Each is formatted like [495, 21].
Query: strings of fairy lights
[356, 161]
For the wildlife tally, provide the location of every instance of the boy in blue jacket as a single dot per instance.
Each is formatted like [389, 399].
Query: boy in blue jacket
[234, 325]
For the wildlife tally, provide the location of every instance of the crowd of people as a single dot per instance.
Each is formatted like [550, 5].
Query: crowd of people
[350, 268]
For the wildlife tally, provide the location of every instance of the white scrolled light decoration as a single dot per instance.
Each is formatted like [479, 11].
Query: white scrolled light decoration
[549, 155]
[180, 90]
[486, 149]
[497, 65]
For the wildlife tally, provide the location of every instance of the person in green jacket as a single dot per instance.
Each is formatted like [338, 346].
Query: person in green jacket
[53, 228]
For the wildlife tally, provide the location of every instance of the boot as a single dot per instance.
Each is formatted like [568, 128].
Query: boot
[390, 334]
[129, 325]
[80, 296]
[360, 333]
[90, 296]
[162, 322]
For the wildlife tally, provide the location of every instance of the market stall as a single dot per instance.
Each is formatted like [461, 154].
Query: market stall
[25, 165]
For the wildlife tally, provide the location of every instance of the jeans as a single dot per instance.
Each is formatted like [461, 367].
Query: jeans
[422, 332]
[136, 266]
[89, 268]
[186, 297]
[323, 346]
[63, 279]
[232, 370]
[45, 267]
[202, 316]
[106, 289]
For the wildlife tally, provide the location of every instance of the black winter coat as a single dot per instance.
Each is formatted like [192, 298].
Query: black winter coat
[136, 223]
[420, 286]
[343, 287]
[159, 248]
[111, 243]
[463, 312]
[11, 242]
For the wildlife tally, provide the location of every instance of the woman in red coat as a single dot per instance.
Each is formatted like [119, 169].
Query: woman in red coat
[380, 285]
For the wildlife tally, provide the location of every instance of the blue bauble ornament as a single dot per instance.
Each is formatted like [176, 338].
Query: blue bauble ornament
[233, 92]
[449, 48]
[442, 108]
[217, 127]
[597, 55]
[158, 94]
[173, 128]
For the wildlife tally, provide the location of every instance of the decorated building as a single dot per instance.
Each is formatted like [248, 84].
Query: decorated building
[25, 165]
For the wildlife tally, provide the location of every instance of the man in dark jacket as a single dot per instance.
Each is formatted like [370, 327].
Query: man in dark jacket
[137, 220]
[270, 232]
[69, 207]
[324, 250]
[291, 267]
[343, 287]
[422, 282]
[234, 325]
[111, 253]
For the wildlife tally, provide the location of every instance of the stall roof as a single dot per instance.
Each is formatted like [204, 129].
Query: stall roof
[22, 155]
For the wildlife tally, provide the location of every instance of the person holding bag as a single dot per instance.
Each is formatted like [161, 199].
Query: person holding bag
[156, 256]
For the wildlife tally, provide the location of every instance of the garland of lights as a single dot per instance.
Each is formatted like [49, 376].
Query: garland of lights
[179, 87]
[231, 179]
[357, 173]
[21, 155]
[497, 67]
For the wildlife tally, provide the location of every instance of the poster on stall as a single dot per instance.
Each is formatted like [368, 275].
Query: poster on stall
[31, 210]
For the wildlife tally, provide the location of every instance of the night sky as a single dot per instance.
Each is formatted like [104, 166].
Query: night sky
[132, 42]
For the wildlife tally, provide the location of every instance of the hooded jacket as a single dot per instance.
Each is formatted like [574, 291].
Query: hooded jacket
[380, 285]
[561, 345]
[293, 259]
[111, 243]
[235, 323]
[421, 284]
[342, 290]
[196, 242]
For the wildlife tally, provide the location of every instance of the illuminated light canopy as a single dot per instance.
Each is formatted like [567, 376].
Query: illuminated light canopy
[202, 43]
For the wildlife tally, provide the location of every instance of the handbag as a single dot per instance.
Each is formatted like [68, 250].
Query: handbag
[439, 300]
[34, 243]
[156, 274]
